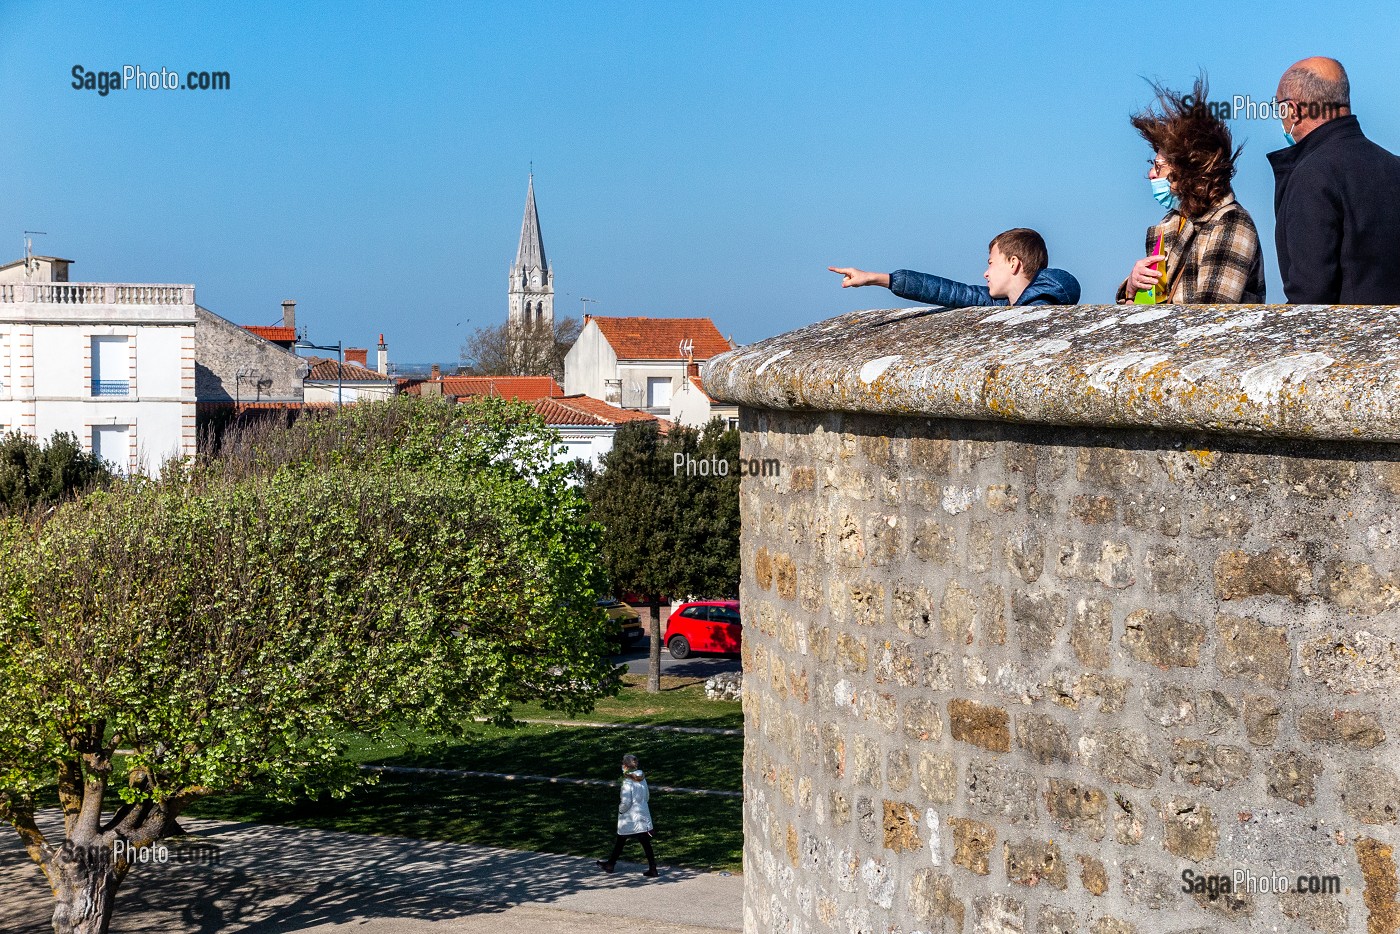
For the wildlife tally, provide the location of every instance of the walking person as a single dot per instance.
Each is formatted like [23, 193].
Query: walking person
[633, 817]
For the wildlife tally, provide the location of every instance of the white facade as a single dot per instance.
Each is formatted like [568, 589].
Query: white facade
[579, 442]
[110, 363]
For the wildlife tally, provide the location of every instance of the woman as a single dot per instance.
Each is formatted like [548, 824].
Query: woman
[633, 817]
[1209, 248]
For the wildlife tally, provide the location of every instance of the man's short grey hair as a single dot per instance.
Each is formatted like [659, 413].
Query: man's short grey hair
[1306, 86]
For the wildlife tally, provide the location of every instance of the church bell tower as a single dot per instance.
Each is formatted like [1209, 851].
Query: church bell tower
[531, 279]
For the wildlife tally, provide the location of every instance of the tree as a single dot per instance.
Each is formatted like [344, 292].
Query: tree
[667, 529]
[32, 474]
[401, 566]
[532, 349]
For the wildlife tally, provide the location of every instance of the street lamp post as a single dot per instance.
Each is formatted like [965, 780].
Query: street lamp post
[339, 348]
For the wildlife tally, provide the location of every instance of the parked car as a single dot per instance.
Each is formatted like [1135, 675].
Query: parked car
[629, 629]
[704, 626]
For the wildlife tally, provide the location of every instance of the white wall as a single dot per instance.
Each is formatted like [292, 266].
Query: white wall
[353, 392]
[46, 366]
[589, 364]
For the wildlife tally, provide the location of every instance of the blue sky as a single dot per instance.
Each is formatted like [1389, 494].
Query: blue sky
[370, 160]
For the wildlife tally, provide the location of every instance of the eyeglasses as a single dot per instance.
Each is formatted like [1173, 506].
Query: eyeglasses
[1160, 166]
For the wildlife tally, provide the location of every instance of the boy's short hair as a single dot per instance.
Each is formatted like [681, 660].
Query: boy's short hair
[1024, 244]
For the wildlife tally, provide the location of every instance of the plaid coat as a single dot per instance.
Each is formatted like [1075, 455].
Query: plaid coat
[1214, 259]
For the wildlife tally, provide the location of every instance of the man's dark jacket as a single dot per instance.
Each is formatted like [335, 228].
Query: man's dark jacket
[1049, 287]
[1337, 218]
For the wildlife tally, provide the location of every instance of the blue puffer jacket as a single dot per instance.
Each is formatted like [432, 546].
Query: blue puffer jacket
[1049, 287]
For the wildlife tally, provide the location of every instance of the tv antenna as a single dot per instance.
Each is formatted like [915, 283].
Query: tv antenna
[29, 236]
[687, 349]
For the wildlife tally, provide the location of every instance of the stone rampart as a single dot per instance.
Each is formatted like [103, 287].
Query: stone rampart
[1051, 613]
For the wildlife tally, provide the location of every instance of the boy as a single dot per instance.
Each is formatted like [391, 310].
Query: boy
[1016, 275]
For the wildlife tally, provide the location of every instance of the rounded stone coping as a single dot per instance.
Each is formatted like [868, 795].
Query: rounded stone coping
[1295, 371]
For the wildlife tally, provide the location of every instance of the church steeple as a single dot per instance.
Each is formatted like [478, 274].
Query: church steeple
[531, 279]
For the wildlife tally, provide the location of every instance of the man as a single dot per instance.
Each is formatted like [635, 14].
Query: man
[1336, 195]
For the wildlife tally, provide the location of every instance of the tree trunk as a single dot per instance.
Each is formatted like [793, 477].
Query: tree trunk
[654, 671]
[85, 883]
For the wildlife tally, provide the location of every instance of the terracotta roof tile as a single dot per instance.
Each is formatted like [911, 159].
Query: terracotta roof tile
[660, 338]
[328, 371]
[585, 410]
[272, 332]
[523, 388]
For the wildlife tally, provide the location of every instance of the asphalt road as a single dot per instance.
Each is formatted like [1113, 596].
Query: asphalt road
[696, 666]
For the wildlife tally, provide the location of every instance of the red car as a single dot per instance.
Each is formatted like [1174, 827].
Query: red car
[704, 626]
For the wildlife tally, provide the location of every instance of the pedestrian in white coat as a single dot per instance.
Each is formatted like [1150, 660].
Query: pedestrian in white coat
[633, 817]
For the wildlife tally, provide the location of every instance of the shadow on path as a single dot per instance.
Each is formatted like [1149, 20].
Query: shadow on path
[273, 879]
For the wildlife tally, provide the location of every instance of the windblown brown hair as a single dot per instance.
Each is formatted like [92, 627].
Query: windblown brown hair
[1195, 142]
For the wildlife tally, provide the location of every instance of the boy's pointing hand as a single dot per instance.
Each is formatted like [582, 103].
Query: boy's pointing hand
[853, 278]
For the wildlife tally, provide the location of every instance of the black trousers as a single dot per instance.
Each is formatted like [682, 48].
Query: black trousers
[643, 838]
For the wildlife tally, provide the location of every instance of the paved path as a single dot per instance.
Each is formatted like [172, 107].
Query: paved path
[659, 727]
[281, 879]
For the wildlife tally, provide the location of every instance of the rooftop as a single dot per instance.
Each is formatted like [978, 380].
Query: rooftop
[639, 338]
[587, 411]
[329, 371]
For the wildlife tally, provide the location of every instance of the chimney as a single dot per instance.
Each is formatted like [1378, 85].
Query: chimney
[358, 356]
[289, 313]
[692, 369]
[436, 372]
[383, 366]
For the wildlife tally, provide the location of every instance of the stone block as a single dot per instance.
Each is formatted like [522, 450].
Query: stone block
[1168, 704]
[1251, 651]
[922, 721]
[1077, 807]
[1381, 887]
[1292, 776]
[1092, 874]
[895, 665]
[1169, 571]
[1056, 921]
[938, 777]
[1094, 510]
[1197, 762]
[1262, 718]
[997, 790]
[980, 725]
[898, 772]
[1360, 588]
[1353, 662]
[958, 613]
[1371, 794]
[1038, 618]
[901, 827]
[1163, 639]
[972, 844]
[929, 540]
[1025, 554]
[1044, 738]
[1121, 756]
[1189, 830]
[1150, 886]
[1108, 563]
[785, 576]
[1354, 728]
[913, 611]
[1091, 632]
[763, 568]
[1244, 574]
[1031, 862]
[998, 914]
[933, 904]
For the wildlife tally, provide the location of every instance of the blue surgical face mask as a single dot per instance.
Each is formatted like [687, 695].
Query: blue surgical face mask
[1162, 192]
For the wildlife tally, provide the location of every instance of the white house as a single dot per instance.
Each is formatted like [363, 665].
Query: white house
[111, 363]
[332, 381]
[587, 426]
[646, 363]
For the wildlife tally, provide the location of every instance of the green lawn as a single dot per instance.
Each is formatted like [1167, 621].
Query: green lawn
[700, 832]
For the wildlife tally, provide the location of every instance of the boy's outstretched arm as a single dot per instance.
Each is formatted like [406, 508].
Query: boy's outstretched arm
[853, 278]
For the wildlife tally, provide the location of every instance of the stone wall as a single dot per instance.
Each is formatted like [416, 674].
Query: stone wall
[1017, 676]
